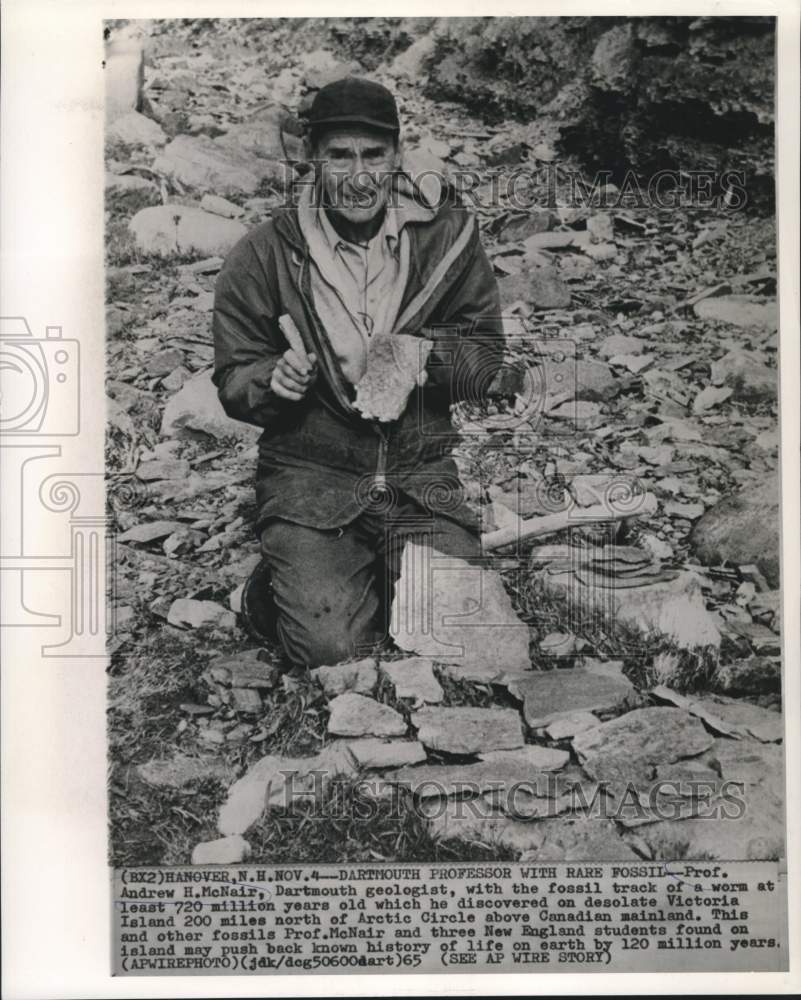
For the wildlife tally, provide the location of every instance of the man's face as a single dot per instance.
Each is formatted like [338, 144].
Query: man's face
[355, 168]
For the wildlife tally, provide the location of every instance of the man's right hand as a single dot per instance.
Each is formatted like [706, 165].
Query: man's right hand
[293, 375]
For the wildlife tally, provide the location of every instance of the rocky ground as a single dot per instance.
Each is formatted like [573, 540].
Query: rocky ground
[642, 362]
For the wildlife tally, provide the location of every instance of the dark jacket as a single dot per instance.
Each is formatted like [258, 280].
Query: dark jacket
[318, 457]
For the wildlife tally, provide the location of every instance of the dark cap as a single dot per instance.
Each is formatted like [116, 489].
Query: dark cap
[354, 101]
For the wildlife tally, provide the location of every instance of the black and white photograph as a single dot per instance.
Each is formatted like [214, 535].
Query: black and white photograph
[426, 593]
[443, 440]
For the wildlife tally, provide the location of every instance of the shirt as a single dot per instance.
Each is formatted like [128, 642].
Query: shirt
[357, 288]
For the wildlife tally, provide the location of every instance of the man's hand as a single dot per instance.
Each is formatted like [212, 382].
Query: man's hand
[293, 375]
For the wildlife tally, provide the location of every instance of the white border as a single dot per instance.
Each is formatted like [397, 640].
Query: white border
[55, 880]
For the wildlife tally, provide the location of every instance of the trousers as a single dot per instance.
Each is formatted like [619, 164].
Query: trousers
[333, 588]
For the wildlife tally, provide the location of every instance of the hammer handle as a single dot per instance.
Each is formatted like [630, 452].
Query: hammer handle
[292, 334]
[573, 517]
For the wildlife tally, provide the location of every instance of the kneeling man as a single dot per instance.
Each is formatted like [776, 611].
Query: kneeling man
[337, 293]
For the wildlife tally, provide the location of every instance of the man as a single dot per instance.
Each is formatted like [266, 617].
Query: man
[363, 255]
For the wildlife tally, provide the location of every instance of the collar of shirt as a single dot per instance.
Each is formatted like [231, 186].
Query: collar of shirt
[389, 232]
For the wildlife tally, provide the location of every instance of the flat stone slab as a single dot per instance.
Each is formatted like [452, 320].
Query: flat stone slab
[756, 831]
[698, 709]
[748, 762]
[247, 797]
[535, 757]
[151, 531]
[468, 730]
[562, 838]
[188, 613]
[457, 821]
[360, 676]
[547, 693]
[481, 673]
[376, 753]
[436, 781]
[747, 719]
[565, 727]
[414, 678]
[740, 310]
[355, 715]
[738, 719]
[578, 838]
[276, 781]
[453, 612]
[626, 749]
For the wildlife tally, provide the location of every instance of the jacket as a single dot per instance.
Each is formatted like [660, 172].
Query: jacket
[318, 458]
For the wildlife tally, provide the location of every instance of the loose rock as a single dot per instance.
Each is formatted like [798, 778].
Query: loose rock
[221, 206]
[757, 833]
[619, 343]
[468, 730]
[196, 407]
[625, 749]
[202, 163]
[376, 753]
[546, 694]
[169, 229]
[739, 310]
[742, 528]
[151, 531]
[414, 678]
[575, 838]
[412, 61]
[748, 377]
[247, 797]
[531, 756]
[689, 511]
[512, 777]
[541, 288]
[187, 613]
[564, 727]
[163, 362]
[121, 183]
[135, 129]
[226, 851]
[354, 715]
[710, 397]
[360, 676]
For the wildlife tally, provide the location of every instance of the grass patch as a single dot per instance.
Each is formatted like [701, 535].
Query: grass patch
[121, 249]
[348, 825]
[645, 655]
[295, 718]
[160, 826]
